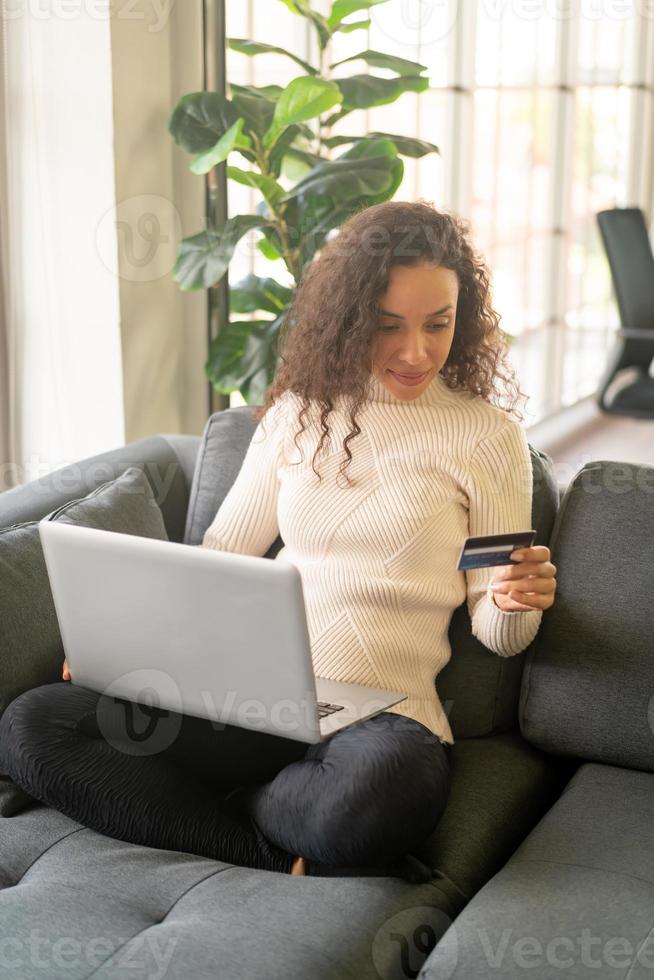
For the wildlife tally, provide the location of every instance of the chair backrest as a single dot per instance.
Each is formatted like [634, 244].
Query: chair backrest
[629, 253]
[479, 690]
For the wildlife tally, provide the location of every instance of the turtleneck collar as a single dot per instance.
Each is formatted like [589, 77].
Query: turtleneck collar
[380, 394]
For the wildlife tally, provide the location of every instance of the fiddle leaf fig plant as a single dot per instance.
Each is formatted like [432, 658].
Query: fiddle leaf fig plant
[285, 152]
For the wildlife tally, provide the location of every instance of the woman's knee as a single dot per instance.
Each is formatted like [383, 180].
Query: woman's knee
[388, 748]
[368, 787]
[56, 704]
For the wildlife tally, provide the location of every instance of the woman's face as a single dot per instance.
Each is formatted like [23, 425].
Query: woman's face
[416, 327]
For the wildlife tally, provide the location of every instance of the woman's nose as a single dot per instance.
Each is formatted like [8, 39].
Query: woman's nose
[414, 348]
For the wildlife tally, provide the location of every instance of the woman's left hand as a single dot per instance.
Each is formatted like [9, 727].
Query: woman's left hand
[529, 585]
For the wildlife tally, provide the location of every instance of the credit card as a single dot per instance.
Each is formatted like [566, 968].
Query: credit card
[493, 549]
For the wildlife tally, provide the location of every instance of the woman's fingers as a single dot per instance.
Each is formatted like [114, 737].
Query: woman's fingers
[66, 672]
[528, 584]
[541, 568]
[538, 553]
[522, 601]
[525, 593]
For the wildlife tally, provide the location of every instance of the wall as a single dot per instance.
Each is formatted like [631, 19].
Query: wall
[157, 55]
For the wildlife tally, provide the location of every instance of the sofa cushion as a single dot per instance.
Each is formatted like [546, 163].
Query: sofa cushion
[589, 676]
[575, 899]
[107, 908]
[30, 641]
[226, 437]
[478, 689]
[500, 786]
[167, 460]
[214, 919]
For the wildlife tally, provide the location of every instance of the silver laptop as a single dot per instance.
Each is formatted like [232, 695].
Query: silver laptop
[196, 631]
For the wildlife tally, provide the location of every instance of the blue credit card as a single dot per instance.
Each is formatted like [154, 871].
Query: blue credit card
[493, 549]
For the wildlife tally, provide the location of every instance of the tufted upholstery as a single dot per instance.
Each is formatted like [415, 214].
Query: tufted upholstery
[106, 908]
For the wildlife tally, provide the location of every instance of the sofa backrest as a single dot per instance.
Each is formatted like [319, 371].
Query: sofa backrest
[478, 689]
[588, 684]
[168, 462]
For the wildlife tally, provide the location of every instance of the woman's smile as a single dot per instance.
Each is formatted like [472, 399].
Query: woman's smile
[409, 379]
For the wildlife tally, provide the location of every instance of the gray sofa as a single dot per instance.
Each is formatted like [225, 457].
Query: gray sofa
[76, 903]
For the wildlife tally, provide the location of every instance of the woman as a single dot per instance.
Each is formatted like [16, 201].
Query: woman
[394, 348]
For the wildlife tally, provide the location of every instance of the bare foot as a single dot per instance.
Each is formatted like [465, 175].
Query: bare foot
[299, 866]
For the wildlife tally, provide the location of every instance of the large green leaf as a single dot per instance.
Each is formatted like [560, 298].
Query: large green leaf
[255, 105]
[344, 179]
[200, 119]
[282, 147]
[297, 164]
[407, 146]
[254, 293]
[251, 48]
[268, 186]
[371, 148]
[365, 91]
[263, 91]
[314, 213]
[233, 139]
[380, 60]
[202, 260]
[310, 159]
[303, 98]
[343, 8]
[381, 146]
[224, 367]
[268, 250]
[270, 232]
[243, 357]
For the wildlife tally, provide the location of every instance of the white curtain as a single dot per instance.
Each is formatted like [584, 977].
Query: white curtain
[61, 393]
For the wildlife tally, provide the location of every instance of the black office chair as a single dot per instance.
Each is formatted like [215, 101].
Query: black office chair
[629, 252]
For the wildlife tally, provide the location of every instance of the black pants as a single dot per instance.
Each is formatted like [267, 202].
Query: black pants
[364, 797]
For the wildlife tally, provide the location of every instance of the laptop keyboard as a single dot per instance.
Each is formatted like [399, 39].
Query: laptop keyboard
[325, 708]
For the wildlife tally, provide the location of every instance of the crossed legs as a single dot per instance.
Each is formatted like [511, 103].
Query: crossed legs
[368, 794]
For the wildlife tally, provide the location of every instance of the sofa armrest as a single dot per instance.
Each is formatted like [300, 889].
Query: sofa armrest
[168, 461]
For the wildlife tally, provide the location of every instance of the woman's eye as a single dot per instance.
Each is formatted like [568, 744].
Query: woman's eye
[393, 326]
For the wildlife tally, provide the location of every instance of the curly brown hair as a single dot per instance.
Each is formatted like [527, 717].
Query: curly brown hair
[327, 339]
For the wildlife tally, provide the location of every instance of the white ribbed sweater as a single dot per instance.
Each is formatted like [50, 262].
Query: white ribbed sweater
[378, 559]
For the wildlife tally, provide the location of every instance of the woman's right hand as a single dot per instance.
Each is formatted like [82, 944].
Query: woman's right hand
[66, 672]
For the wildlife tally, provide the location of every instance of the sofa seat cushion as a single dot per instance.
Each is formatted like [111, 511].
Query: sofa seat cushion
[575, 899]
[229, 921]
[106, 908]
[500, 786]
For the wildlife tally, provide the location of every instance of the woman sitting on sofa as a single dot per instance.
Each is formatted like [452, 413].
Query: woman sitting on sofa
[379, 449]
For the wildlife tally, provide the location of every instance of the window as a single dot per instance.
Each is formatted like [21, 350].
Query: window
[543, 114]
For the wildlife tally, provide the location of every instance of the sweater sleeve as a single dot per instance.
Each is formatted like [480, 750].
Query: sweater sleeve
[246, 521]
[500, 498]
